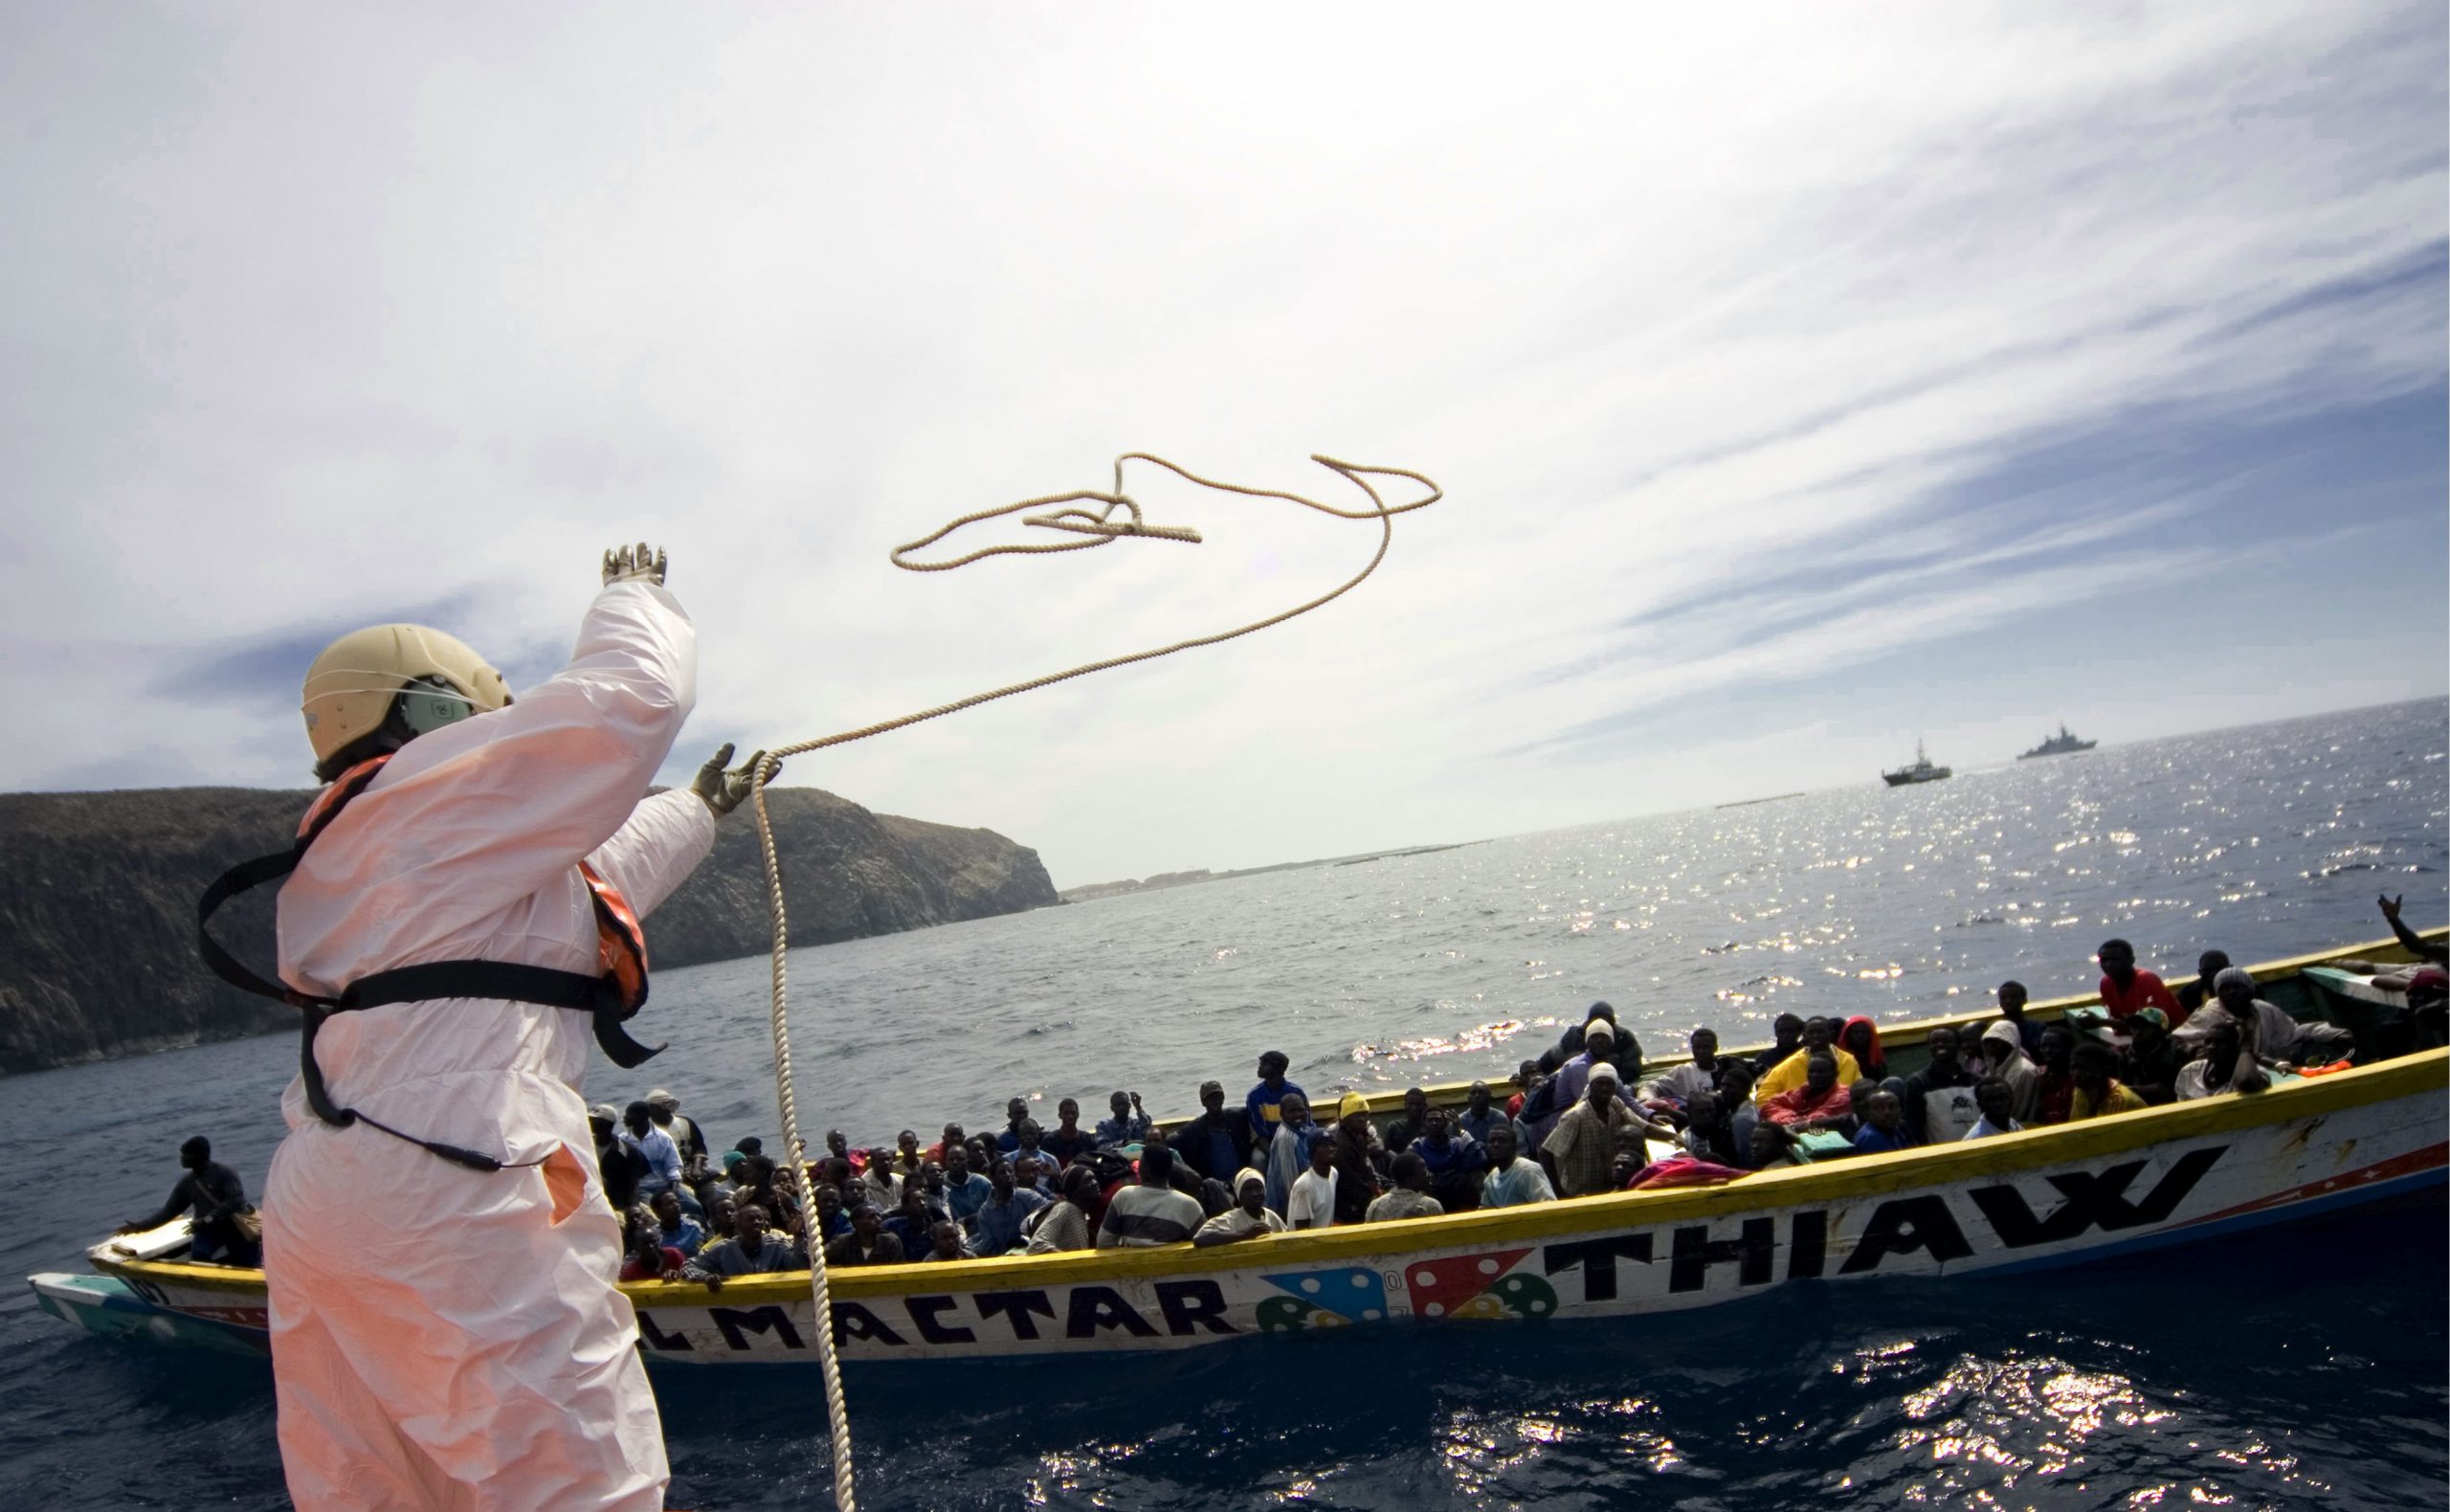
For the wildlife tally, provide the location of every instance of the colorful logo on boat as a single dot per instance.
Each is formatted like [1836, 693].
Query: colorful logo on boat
[1455, 1286]
[1477, 1286]
[1329, 1298]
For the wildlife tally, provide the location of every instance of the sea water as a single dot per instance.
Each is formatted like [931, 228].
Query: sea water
[2304, 1368]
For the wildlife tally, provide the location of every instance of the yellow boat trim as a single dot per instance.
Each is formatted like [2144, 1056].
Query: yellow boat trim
[1799, 1186]
[1834, 1182]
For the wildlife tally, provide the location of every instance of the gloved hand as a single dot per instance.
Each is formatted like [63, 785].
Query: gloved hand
[644, 563]
[721, 790]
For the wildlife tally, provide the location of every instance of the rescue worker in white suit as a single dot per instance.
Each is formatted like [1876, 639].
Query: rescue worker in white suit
[447, 1337]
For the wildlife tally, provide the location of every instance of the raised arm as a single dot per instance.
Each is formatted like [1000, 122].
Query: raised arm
[2417, 944]
[564, 766]
[468, 819]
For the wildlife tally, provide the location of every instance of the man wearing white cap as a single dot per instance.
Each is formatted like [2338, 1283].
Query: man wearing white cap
[1247, 1219]
[618, 1165]
[2265, 1030]
[1582, 1148]
[1598, 1044]
[686, 1137]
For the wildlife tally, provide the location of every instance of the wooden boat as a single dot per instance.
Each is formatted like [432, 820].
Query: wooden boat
[2055, 1196]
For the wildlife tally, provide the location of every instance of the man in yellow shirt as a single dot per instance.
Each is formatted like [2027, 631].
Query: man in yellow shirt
[1818, 1037]
[2096, 1093]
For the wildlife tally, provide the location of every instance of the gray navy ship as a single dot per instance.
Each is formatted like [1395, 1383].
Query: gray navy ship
[2060, 745]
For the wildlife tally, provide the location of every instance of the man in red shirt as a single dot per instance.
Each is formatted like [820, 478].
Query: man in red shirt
[1820, 1103]
[2125, 988]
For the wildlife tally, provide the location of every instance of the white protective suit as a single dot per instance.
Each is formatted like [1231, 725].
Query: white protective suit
[443, 1337]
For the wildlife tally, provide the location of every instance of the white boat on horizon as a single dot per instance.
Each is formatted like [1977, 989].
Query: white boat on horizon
[1921, 771]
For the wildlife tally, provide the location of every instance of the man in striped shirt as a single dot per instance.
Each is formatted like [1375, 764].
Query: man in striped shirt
[1152, 1212]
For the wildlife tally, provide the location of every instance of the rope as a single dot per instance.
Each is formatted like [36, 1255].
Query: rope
[1097, 528]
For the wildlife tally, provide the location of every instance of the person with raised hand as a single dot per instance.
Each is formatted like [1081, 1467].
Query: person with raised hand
[468, 900]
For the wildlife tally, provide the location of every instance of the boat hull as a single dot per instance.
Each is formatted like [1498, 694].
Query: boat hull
[2046, 1197]
[111, 1307]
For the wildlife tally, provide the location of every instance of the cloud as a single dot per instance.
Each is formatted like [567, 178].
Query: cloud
[2103, 511]
[1749, 348]
[265, 668]
[2409, 279]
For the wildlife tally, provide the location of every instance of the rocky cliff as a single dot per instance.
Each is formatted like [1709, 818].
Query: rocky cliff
[98, 893]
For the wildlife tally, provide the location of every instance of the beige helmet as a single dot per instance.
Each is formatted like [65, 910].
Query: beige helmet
[351, 687]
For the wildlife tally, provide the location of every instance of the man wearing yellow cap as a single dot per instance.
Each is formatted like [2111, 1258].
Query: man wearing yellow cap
[1361, 1158]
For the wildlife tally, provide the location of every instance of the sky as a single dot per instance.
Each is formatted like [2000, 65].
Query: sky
[1801, 380]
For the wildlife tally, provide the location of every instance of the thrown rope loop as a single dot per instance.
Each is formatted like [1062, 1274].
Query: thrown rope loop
[1097, 528]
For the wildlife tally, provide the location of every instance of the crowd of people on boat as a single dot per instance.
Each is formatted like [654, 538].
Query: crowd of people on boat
[1585, 1118]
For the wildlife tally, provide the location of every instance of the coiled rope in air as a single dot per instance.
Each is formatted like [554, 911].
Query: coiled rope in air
[1096, 527]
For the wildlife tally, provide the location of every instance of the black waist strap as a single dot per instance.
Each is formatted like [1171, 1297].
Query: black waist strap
[436, 980]
[599, 997]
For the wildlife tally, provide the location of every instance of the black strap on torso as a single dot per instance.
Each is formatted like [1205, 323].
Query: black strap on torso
[598, 997]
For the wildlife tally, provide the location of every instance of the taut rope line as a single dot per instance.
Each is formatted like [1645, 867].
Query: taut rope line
[1098, 528]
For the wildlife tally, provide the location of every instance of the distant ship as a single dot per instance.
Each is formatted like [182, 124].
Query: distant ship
[1921, 771]
[2061, 743]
